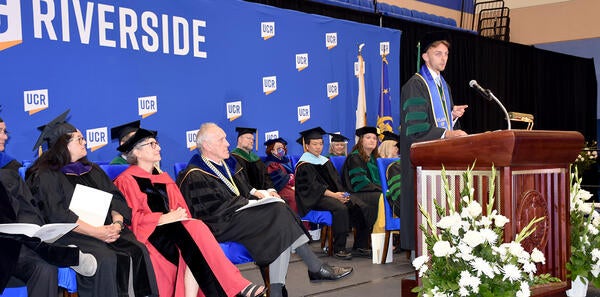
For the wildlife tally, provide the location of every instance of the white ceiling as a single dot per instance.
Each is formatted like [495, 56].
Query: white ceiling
[512, 4]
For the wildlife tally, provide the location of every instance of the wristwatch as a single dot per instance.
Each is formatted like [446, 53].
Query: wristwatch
[120, 223]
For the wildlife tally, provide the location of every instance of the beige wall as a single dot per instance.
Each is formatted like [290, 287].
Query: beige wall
[561, 21]
[571, 20]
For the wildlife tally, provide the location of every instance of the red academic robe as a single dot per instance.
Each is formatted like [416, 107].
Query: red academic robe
[171, 279]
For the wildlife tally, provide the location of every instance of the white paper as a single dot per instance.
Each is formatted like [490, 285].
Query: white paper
[91, 205]
[47, 233]
[266, 200]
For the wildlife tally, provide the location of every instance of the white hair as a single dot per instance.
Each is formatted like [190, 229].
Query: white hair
[201, 136]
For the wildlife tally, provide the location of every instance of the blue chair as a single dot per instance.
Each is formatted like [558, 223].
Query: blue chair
[67, 279]
[114, 170]
[391, 223]
[324, 218]
[177, 167]
[294, 160]
[14, 292]
[22, 171]
[338, 162]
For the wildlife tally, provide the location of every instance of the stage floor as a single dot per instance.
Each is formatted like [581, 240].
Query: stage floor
[367, 279]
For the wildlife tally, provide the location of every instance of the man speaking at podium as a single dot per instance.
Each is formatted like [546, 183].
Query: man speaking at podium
[427, 113]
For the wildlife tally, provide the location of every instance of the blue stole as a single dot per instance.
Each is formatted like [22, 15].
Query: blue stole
[312, 159]
[443, 116]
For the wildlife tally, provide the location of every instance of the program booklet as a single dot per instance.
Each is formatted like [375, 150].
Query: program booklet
[47, 233]
[266, 200]
[90, 204]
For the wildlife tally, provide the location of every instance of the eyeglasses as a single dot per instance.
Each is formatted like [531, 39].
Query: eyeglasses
[153, 144]
[79, 139]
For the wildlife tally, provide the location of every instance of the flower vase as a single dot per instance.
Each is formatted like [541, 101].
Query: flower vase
[579, 287]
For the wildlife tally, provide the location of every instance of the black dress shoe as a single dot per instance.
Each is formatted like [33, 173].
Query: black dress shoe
[363, 253]
[329, 273]
[343, 255]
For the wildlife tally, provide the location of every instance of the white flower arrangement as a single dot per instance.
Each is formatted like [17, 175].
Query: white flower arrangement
[466, 254]
[585, 238]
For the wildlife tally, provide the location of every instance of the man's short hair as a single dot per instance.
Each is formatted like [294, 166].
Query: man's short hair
[201, 135]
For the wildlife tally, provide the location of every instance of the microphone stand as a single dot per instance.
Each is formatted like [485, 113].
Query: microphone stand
[491, 95]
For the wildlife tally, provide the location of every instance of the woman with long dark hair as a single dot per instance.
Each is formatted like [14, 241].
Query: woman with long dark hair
[124, 268]
[360, 176]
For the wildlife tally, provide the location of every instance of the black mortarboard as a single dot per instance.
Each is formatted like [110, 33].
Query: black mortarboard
[121, 131]
[338, 137]
[53, 130]
[431, 37]
[139, 135]
[388, 135]
[271, 141]
[364, 130]
[314, 133]
[242, 130]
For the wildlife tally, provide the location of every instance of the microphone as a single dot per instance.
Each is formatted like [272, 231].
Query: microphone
[483, 92]
[487, 94]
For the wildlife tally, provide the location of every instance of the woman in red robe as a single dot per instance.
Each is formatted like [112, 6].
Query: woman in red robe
[186, 257]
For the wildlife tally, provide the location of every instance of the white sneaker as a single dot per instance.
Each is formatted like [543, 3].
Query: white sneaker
[87, 264]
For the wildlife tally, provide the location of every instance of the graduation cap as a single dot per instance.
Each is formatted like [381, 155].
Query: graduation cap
[271, 141]
[53, 130]
[388, 135]
[427, 40]
[243, 130]
[364, 130]
[139, 135]
[121, 131]
[338, 137]
[431, 37]
[314, 133]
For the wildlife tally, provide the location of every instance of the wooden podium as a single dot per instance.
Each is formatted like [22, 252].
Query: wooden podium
[532, 180]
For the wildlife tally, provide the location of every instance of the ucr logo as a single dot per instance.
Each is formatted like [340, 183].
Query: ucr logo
[271, 135]
[384, 48]
[301, 61]
[303, 113]
[10, 24]
[332, 90]
[147, 106]
[267, 30]
[269, 84]
[96, 138]
[35, 100]
[234, 110]
[330, 40]
[190, 139]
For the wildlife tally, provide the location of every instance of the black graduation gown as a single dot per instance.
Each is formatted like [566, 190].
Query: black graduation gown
[311, 182]
[35, 262]
[53, 191]
[418, 124]
[364, 197]
[255, 173]
[266, 230]
[364, 193]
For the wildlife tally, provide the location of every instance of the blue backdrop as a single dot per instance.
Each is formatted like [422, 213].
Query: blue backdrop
[176, 66]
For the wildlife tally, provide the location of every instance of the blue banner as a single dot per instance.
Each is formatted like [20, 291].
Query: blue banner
[177, 65]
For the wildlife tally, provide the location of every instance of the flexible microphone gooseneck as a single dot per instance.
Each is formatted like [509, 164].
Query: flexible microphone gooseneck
[487, 94]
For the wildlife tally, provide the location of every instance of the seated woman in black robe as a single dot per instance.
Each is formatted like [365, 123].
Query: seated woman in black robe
[360, 176]
[25, 258]
[52, 179]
